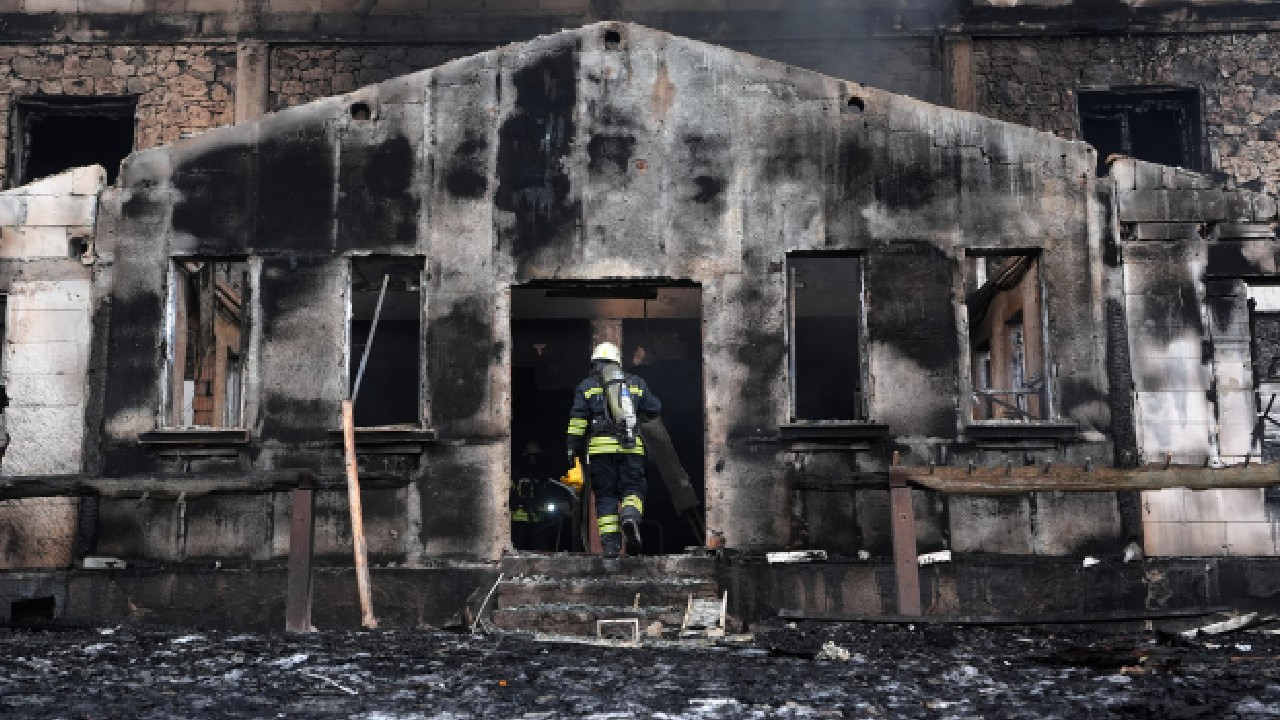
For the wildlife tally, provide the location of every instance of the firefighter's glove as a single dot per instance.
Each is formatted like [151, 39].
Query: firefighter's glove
[573, 478]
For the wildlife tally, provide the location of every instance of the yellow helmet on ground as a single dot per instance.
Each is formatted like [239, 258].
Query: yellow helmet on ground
[607, 351]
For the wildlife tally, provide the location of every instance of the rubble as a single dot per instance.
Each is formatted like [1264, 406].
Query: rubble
[850, 671]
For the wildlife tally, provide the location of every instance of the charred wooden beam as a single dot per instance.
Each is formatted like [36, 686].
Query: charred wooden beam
[1070, 478]
[165, 487]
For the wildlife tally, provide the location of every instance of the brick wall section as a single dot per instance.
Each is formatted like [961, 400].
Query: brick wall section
[180, 89]
[46, 355]
[1033, 81]
[302, 73]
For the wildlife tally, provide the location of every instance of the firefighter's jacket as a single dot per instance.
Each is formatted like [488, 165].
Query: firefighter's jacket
[590, 423]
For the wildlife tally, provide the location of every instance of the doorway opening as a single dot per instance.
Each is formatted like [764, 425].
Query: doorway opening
[554, 326]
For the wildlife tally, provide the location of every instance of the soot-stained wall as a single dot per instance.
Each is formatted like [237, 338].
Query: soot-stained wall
[611, 152]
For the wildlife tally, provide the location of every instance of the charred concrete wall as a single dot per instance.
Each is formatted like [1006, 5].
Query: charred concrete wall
[622, 153]
[46, 275]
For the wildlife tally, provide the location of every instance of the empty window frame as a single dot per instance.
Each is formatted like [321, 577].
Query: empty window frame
[391, 388]
[1008, 363]
[826, 332]
[208, 335]
[1264, 305]
[4, 340]
[1157, 124]
[57, 133]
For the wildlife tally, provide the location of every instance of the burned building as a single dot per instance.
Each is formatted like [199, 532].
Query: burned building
[880, 327]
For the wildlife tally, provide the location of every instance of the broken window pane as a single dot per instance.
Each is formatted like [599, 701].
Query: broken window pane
[1006, 331]
[210, 330]
[1160, 125]
[390, 389]
[57, 133]
[826, 322]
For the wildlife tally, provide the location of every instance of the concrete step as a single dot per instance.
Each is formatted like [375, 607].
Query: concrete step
[579, 619]
[609, 591]
[582, 565]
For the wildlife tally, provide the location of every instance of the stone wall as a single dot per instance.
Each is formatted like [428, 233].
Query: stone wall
[302, 73]
[180, 88]
[1034, 81]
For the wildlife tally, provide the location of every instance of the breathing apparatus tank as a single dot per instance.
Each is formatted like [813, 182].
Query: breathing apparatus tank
[617, 393]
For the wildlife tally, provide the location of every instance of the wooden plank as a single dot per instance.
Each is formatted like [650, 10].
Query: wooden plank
[302, 532]
[906, 571]
[1069, 478]
[357, 511]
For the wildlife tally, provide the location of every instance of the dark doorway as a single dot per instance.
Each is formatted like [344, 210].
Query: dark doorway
[553, 330]
[57, 133]
[1156, 124]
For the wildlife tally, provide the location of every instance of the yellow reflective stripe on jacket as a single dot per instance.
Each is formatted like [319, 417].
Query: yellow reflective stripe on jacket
[592, 392]
[606, 445]
[633, 501]
[577, 426]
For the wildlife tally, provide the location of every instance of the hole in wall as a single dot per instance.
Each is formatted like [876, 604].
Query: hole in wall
[612, 39]
[32, 610]
[855, 105]
[55, 133]
[361, 111]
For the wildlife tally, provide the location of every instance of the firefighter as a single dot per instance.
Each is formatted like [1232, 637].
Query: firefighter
[607, 409]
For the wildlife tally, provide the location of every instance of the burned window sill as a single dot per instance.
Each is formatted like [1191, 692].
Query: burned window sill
[1037, 432]
[195, 441]
[806, 436]
[389, 440]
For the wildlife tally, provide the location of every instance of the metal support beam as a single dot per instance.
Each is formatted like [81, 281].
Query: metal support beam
[302, 532]
[906, 570]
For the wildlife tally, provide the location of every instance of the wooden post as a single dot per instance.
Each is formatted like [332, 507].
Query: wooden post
[906, 567]
[357, 516]
[302, 531]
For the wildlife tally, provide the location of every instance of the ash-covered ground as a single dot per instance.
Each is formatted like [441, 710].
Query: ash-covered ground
[810, 671]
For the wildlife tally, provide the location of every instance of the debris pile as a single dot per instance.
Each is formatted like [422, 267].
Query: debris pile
[795, 670]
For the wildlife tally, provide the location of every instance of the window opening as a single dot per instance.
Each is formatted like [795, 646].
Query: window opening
[210, 329]
[390, 392]
[1265, 321]
[826, 321]
[57, 133]
[1006, 331]
[1160, 125]
[4, 376]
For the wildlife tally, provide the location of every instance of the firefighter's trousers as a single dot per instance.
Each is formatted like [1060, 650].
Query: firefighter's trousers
[617, 481]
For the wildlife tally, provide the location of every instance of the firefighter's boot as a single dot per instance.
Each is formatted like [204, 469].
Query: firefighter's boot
[610, 538]
[631, 512]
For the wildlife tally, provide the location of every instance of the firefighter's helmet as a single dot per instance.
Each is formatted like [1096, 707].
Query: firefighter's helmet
[608, 352]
